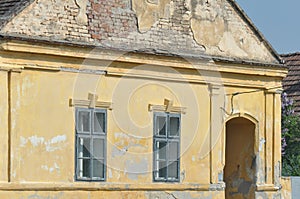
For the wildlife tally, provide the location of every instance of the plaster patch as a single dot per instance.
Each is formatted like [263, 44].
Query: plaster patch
[220, 176]
[134, 168]
[193, 158]
[261, 195]
[121, 135]
[27, 84]
[110, 173]
[261, 144]
[23, 141]
[35, 140]
[51, 169]
[36, 195]
[50, 145]
[277, 173]
[55, 140]
[182, 176]
[82, 17]
[118, 152]
[14, 174]
[177, 195]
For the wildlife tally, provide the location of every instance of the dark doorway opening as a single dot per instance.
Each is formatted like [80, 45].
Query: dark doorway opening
[240, 163]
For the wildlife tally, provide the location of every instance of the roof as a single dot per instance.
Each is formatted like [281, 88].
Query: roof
[291, 83]
[10, 8]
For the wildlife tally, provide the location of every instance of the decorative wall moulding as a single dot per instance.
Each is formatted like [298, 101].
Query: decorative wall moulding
[91, 102]
[167, 107]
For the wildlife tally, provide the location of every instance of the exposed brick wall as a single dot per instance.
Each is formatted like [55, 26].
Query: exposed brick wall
[114, 23]
[112, 18]
[51, 19]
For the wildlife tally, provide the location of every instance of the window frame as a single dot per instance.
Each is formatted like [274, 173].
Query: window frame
[168, 138]
[92, 135]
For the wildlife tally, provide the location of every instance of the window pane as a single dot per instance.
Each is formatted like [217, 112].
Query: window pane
[99, 122]
[83, 121]
[160, 125]
[173, 150]
[174, 126]
[84, 147]
[161, 148]
[98, 169]
[84, 168]
[173, 170]
[98, 148]
[162, 170]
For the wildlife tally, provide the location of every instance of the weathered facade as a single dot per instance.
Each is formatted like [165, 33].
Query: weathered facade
[137, 99]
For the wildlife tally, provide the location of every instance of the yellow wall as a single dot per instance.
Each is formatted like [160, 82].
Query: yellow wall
[43, 130]
[4, 126]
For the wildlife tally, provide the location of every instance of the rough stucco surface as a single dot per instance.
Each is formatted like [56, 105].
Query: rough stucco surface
[40, 121]
[286, 187]
[129, 151]
[184, 27]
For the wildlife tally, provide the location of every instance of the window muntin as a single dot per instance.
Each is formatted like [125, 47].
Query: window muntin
[90, 144]
[166, 142]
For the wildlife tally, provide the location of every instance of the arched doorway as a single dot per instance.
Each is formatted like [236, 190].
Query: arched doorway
[240, 163]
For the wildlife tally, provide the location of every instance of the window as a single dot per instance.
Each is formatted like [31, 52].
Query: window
[90, 144]
[166, 142]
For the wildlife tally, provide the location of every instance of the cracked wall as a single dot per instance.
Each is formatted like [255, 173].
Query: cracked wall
[183, 27]
[49, 143]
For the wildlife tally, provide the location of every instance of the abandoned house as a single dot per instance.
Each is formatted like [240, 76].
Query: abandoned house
[137, 99]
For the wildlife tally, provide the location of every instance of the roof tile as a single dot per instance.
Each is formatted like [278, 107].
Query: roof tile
[10, 8]
[291, 83]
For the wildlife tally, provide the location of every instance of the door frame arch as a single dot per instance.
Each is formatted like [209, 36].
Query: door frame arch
[255, 121]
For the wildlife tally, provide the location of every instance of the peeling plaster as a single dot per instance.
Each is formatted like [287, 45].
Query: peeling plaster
[35, 141]
[220, 176]
[261, 144]
[260, 172]
[182, 176]
[261, 195]
[121, 135]
[193, 158]
[26, 84]
[36, 195]
[118, 152]
[177, 195]
[55, 140]
[109, 173]
[82, 17]
[134, 169]
[49, 145]
[51, 169]
[277, 173]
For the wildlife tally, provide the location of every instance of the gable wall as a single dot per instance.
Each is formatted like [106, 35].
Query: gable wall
[180, 27]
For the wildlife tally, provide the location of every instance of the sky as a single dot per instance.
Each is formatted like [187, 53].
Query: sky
[277, 20]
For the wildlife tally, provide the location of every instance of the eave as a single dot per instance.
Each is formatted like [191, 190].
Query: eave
[86, 51]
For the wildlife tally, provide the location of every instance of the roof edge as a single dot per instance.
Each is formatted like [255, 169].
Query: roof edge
[247, 19]
[12, 15]
[290, 54]
[144, 51]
